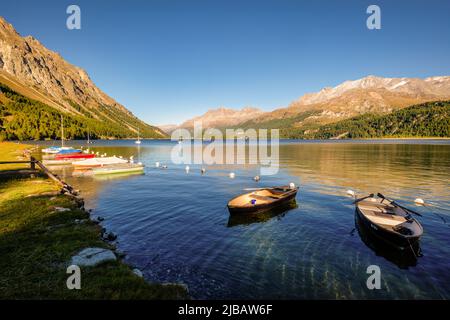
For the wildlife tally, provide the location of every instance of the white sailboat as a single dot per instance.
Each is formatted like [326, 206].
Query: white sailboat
[54, 149]
[138, 141]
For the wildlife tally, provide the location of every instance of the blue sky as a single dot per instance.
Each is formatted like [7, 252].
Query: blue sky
[169, 60]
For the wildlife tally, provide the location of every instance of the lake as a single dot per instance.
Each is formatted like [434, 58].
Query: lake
[175, 226]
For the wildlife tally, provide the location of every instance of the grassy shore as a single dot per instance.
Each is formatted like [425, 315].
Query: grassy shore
[37, 241]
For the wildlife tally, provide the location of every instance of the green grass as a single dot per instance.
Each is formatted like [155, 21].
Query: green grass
[13, 152]
[36, 243]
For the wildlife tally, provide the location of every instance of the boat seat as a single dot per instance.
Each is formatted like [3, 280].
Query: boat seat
[376, 208]
[382, 218]
[264, 198]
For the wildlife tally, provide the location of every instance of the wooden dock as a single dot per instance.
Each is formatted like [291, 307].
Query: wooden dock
[34, 164]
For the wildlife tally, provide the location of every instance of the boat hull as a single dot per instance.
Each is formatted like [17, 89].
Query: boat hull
[77, 156]
[104, 171]
[403, 258]
[390, 238]
[264, 206]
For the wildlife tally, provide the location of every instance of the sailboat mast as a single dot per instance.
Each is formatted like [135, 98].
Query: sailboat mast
[62, 131]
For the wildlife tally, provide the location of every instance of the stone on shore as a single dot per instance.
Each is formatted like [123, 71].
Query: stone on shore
[90, 257]
[138, 272]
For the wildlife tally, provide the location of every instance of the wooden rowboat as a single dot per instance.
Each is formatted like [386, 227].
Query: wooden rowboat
[389, 221]
[262, 200]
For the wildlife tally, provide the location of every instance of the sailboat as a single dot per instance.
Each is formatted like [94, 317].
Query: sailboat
[89, 137]
[138, 141]
[61, 149]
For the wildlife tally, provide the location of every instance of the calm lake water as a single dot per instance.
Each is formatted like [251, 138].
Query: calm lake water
[175, 226]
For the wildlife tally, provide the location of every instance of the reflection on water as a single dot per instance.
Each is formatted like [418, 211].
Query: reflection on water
[175, 226]
[246, 219]
[402, 258]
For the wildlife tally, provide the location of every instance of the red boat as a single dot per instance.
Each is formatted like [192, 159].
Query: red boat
[79, 156]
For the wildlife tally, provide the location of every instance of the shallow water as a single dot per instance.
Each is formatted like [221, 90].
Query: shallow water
[175, 227]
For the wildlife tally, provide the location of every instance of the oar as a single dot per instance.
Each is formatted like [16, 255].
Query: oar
[398, 205]
[361, 199]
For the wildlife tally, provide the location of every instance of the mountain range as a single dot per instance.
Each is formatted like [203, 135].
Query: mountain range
[29, 69]
[372, 94]
[37, 86]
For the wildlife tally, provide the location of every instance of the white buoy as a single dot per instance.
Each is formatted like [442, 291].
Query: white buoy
[232, 175]
[256, 178]
[187, 169]
[419, 201]
[157, 164]
[351, 193]
[291, 185]
[203, 170]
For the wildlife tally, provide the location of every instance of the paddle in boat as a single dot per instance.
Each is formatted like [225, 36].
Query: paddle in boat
[262, 199]
[98, 162]
[389, 221]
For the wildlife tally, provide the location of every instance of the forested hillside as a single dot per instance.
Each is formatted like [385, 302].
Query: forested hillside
[22, 118]
[430, 119]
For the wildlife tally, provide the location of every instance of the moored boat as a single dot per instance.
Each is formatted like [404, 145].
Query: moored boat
[389, 221]
[262, 199]
[54, 162]
[69, 151]
[78, 156]
[54, 149]
[98, 162]
[119, 168]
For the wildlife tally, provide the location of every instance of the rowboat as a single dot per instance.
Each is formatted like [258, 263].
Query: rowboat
[98, 162]
[54, 162]
[119, 168]
[262, 199]
[78, 156]
[389, 221]
[400, 257]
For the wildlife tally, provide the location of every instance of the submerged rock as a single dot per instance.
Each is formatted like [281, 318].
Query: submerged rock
[110, 236]
[90, 257]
